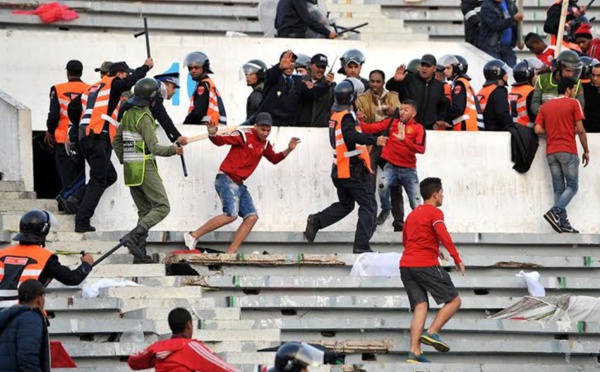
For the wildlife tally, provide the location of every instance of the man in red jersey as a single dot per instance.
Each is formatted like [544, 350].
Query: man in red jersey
[407, 138]
[560, 119]
[421, 273]
[248, 147]
[180, 353]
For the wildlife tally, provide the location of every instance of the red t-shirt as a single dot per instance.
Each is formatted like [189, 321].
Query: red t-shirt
[403, 153]
[424, 229]
[558, 117]
[594, 49]
[246, 152]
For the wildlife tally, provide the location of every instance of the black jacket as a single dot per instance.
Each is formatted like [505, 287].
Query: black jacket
[496, 116]
[281, 98]
[24, 345]
[293, 19]
[523, 145]
[429, 95]
[254, 100]
[493, 23]
[592, 108]
[316, 112]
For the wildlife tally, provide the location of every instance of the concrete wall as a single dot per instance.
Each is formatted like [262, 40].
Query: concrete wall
[16, 154]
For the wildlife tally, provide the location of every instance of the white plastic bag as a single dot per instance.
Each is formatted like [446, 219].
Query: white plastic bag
[377, 264]
[92, 290]
[535, 288]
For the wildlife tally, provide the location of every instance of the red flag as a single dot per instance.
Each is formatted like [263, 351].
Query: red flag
[59, 356]
[51, 12]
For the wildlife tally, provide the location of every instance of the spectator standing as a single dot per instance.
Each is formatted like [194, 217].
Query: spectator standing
[181, 352]
[422, 274]
[315, 112]
[591, 91]
[406, 139]
[521, 94]
[206, 104]
[470, 10]
[553, 13]
[255, 71]
[424, 89]
[567, 64]
[498, 34]
[351, 170]
[24, 341]
[541, 50]
[104, 68]
[441, 77]
[560, 119]
[588, 44]
[293, 19]
[248, 147]
[352, 61]
[493, 96]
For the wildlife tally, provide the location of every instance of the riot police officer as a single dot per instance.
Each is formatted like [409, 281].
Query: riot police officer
[493, 96]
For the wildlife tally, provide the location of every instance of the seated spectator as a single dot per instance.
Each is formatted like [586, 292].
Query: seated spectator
[352, 61]
[316, 112]
[255, 71]
[567, 64]
[424, 89]
[521, 94]
[493, 96]
[588, 44]
[181, 352]
[498, 34]
[591, 92]
[293, 19]
[284, 90]
[406, 139]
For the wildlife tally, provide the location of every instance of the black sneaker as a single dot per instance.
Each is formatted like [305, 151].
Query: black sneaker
[567, 228]
[554, 220]
[383, 215]
[144, 260]
[312, 227]
[83, 229]
[398, 228]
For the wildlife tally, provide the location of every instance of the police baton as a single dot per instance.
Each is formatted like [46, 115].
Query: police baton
[185, 172]
[105, 255]
[590, 4]
[145, 33]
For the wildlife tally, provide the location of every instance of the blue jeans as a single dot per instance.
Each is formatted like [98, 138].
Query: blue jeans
[405, 177]
[235, 198]
[564, 168]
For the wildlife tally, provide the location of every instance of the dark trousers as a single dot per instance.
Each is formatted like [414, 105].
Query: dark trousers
[102, 174]
[350, 191]
[395, 191]
[472, 30]
[68, 169]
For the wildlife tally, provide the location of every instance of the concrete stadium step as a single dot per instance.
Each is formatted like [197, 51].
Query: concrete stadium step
[263, 358]
[161, 313]
[103, 349]
[10, 221]
[142, 293]
[12, 186]
[450, 15]
[401, 322]
[24, 205]
[240, 282]
[384, 303]
[83, 304]
[93, 369]
[82, 326]
[170, 303]
[128, 271]
[414, 5]
[15, 195]
[238, 335]
[240, 346]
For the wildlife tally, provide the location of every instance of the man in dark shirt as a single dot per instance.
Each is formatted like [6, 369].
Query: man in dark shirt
[316, 112]
[255, 71]
[493, 96]
[283, 91]
[424, 89]
[591, 92]
[293, 20]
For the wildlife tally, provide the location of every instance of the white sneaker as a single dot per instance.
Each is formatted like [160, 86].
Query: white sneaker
[190, 241]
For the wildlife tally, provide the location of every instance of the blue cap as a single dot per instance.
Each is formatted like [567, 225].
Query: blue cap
[171, 77]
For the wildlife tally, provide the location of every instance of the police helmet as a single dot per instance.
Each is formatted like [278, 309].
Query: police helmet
[588, 64]
[296, 356]
[524, 71]
[145, 91]
[494, 70]
[450, 60]
[303, 61]
[569, 59]
[463, 64]
[344, 95]
[255, 66]
[35, 226]
[198, 59]
[351, 55]
[414, 66]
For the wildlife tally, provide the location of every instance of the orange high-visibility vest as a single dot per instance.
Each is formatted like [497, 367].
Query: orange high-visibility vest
[448, 91]
[95, 109]
[341, 155]
[65, 92]
[484, 95]
[216, 109]
[517, 99]
[19, 263]
[472, 117]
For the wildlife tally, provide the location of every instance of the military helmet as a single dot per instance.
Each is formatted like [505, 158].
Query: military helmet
[525, 70]
[198, 59]
[255, 66]
[145, 91]
[34, 226]
[303, 61]
[494, 70]
[414, 66]
[569, 59]
[296, 356]
[588, 64]
[351, 55]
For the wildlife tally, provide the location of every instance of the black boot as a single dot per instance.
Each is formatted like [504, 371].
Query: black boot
[133, 239]
[142, 247]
